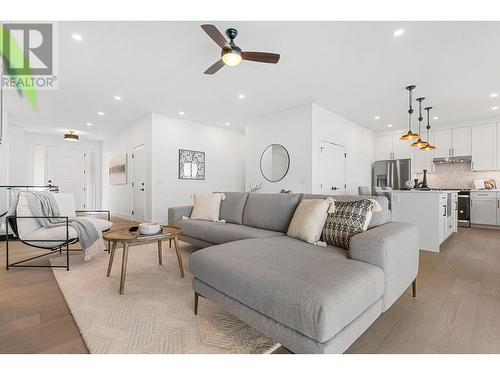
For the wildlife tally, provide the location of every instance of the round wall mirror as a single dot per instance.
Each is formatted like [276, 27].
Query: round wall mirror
[274, 163]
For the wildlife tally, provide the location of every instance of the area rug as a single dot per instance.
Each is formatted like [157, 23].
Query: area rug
[155, 315]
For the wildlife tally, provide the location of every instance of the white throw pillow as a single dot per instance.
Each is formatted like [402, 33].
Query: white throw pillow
[308, 220]
[207, 206]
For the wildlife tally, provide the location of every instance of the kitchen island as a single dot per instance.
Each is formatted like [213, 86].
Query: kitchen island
[434, 211]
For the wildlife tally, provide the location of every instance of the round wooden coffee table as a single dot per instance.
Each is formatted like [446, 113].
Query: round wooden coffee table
[128, 239]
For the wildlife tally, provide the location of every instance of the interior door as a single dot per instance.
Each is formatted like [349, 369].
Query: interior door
[138, 187]
[332, 160]
[66, 169]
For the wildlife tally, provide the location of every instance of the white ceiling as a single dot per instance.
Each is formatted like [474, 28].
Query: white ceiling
[357, 69]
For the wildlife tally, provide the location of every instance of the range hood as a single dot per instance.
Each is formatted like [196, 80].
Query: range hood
[452, 159]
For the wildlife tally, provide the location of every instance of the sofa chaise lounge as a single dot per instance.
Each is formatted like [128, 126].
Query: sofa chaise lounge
[310, 299]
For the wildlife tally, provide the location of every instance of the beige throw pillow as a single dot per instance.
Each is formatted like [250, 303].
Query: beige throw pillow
[207, 206]
[308, 220]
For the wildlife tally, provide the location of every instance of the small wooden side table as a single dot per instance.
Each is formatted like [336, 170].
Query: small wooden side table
[129, 239]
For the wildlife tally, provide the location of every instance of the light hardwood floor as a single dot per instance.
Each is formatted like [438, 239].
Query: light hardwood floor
[457, 309]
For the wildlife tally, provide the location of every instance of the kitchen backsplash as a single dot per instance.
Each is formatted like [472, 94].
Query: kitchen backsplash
[457, 176]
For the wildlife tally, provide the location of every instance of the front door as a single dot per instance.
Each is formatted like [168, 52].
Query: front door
[66, 169]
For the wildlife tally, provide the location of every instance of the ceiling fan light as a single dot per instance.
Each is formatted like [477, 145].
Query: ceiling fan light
[71, 137]
[232, 58]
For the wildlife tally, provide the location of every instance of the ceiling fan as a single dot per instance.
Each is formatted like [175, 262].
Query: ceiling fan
[231, 54]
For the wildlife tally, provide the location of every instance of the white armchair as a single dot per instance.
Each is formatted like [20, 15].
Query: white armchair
[27, 228]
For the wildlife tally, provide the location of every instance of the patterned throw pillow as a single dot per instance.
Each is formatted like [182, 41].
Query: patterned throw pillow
[347, 220]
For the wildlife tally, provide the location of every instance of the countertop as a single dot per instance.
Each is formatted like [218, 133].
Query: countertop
[424, 191]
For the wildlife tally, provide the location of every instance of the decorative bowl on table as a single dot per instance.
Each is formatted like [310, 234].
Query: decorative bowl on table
[149, 228]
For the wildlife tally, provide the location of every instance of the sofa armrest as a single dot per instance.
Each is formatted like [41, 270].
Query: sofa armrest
[176, 213]
[394, 247]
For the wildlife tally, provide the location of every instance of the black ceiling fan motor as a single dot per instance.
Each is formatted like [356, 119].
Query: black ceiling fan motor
[231, 33]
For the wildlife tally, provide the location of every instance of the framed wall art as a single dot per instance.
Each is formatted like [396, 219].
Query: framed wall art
[191, 165]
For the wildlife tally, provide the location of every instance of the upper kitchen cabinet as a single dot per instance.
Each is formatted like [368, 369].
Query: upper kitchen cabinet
[383, 147]
[461, 141]
[423, 159]
[452, 142]
[401, 149]
[388, 147]
[442, 141]
[483, 150]
[498, 145]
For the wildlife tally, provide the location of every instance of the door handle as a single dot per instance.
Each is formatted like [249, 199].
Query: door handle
[334, 188]
[444, 213]
[141, 189]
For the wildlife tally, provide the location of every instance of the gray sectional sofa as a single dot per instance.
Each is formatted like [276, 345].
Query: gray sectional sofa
[310, 299]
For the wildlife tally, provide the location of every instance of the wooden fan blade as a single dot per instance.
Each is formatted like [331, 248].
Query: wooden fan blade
[215, 67]
[216, 36]
[264, 57]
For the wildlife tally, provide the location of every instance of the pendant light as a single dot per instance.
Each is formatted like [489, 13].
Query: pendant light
[428, 147]
[410, 134]
[419, 143]
[71, 136]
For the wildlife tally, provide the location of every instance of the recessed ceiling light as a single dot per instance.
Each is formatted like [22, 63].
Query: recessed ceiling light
[436, 118]
[376, 118]
[88, 124]
[494, 108]
[241, 96]
[181, 113]
[117, 98]
[100, 113]
[389, 125]
[399, 32]
[77, 37]
[493, 95]
[227, 123]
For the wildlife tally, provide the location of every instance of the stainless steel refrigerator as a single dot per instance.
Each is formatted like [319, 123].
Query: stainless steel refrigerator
[391, 173]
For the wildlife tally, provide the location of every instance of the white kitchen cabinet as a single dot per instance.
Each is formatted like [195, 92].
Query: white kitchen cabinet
[383, 147]
[483, 208]
[498, 208]
[429, 211]
[442, 141]
[401, 149]
[483, 150]
[461, 141]
[423, 160]
[498, 145]
[389, 147]
[452, 142]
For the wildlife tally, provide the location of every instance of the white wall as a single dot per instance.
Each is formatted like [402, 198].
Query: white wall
[358, 141]
[301, 130]
[50, 140]
[118, 198]
[4, 165]
[18, 156]
[224, 158]
[292, 129]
